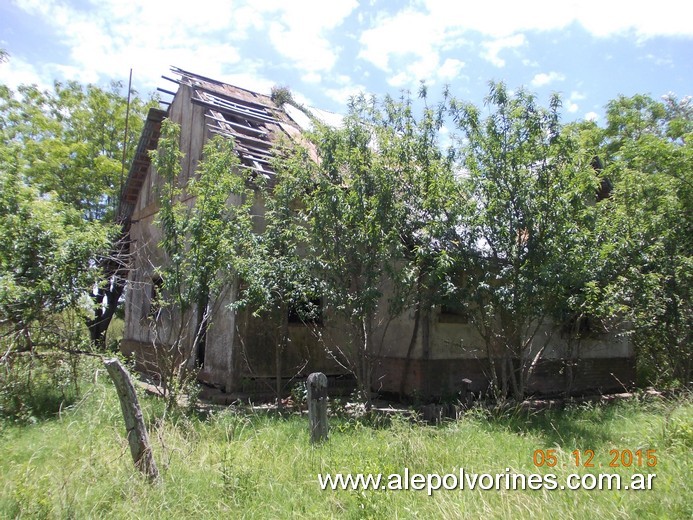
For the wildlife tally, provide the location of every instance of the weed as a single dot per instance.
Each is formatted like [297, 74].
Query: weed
[236, 464]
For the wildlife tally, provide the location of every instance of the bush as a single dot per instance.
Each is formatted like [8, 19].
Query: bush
[34, 387]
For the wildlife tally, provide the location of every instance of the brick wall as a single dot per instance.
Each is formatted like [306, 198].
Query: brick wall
[442, 377]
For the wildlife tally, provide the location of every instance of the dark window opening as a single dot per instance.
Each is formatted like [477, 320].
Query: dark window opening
[453, 314]
[308, 312]
[583, 326]
[154, 297]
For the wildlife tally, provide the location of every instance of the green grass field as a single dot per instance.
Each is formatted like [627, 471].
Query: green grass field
[245, 465]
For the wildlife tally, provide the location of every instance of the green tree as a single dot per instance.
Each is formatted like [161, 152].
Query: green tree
[47, 262]
[527, 195]
[207, 236]
[645, 230]
[279, 280]
[409, 145]
[356, 213]
[68, 142]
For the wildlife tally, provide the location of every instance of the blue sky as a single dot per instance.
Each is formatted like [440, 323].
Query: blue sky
[590, 51]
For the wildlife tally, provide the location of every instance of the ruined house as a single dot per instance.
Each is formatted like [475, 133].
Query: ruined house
[240, 350]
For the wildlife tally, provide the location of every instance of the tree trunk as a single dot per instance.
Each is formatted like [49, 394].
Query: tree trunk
[134, 423]
[364, 363]
[98, 325]
[115, 273]
[201, 330]
[414, 335]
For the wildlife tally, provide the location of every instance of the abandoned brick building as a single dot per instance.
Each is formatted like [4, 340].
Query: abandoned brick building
[239, 354]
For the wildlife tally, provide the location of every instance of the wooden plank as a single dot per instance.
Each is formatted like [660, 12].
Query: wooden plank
[248, 117]
[218, 103]
[222, 89]
[231, 103]
[317, 406]
[198, 128]
[260, 151]
[186, 130]
[136, 431]
[234, 124]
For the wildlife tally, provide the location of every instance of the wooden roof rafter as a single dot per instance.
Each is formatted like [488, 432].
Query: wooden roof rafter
[250, 118]
[149, 139]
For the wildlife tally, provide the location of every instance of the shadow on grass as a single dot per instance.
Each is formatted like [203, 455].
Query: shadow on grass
[585, 426]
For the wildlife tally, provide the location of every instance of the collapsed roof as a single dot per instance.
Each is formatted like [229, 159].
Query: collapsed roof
[252, 119]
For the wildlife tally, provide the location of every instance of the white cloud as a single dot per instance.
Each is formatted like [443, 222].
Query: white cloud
[591, 116]
[493, 48]
[250, 80]
[596, 16]
[572, 105]
[450, 69]
[307, 52]
[342, 94]
[392, 37]
[435, 26]
[429, 69]
[311, 77]
[543, 78]
[300, 30]
[399, 80]
[411, 44]
[342, 79]
[15, 72]
[428, 39]
[503, 17]
[660, 60]
[424, 68]
[645, 20]
[106, 38]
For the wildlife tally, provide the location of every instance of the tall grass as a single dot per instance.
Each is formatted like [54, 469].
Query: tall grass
[245, 465]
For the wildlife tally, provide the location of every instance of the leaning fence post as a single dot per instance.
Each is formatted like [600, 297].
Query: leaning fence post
[317, 406]
[134, 424]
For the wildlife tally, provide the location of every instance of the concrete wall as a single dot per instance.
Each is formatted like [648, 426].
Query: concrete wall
[143, 326]
[457, 351]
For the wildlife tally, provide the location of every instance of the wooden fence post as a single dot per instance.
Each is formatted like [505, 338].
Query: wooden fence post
[317, 406]
[465, 394]
[134, 424]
